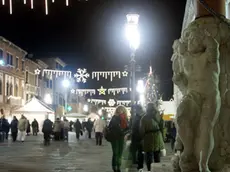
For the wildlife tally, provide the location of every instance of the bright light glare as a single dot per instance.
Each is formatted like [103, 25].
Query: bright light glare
[109, 115]
[140, 87]
[2, 63]
[85, 108]
[66, 83]
[142, 99]
[100, 112]
[132, 32]
[48, 99]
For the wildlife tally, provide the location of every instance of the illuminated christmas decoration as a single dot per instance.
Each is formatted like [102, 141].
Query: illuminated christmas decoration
[83, 92]
[106, 74]
[102, 91]
[111, 102]
[66, 74]
[123, 102]
[37, 72]
[32, 4]
[97, 101]
[125, 74]
[81, 75]
[111, 110]
[72, 91]
[115, 91]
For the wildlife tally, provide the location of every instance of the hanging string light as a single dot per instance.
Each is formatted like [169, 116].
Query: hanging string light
[11, 8]
[46, 6]
[3, 2]
[67, 2]
[53, 1]
[32, 4]
[24, 1]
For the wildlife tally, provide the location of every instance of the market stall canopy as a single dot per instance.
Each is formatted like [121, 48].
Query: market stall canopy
[75, 115]
[34, 106]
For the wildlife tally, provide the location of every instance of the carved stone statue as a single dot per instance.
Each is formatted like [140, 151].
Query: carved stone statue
[197, 54]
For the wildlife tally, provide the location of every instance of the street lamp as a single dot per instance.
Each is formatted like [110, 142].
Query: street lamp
[133, 36]
[141, 90]
[66, 85]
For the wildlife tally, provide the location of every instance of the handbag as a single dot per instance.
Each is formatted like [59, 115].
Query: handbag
[163, 152]
[81, 132]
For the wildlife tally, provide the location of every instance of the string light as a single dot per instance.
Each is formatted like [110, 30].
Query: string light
[3, 2]
[67, 2]
[24, 1]
[32, 4]
[10, 2]
[46, 6]
[53, 1]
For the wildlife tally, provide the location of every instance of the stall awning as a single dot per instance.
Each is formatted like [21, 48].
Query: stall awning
[34, 106]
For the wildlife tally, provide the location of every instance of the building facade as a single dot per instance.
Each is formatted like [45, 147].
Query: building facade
[12, 75]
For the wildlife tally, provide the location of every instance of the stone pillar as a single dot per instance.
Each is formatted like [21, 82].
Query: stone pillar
[217, 5]
[203, 120]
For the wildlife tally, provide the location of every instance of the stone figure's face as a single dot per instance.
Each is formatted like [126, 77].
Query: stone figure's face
[195, 42]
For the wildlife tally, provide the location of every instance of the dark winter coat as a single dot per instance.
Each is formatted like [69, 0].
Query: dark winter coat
[47, 126]
[136, 135]
[78, 127]
[34, 124]
[14, 125]
[28, 127]
[89, 126]
[4, 125]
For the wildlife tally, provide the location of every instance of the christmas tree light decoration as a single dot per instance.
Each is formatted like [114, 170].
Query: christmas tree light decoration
[46, 6]
[115, 91]
[102, 91]
[83, 92]
[123, 102]
[37, 72]
[106, 74]
[81, 75]
[97, 101]
[66, 74]
[111, 102]
[125, 74]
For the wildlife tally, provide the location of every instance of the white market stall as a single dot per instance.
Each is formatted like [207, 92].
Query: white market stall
[35, 109]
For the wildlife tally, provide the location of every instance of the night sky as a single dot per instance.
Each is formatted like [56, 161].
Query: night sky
[90, 34]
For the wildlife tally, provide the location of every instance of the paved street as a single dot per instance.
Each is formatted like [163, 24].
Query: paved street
[32, 156]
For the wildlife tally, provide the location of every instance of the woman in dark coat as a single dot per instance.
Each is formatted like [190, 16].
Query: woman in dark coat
[78, 128]
[28, 128]
[14, 128]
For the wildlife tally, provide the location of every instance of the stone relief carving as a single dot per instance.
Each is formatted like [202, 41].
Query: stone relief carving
[201, 66]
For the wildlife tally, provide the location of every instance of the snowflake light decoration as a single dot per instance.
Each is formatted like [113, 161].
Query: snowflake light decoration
[81, 75]
[111, 102]
[37, 72]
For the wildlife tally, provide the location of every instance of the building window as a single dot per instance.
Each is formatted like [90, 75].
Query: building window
[9, 59]
[57, 65]
[0, 87]
[7, 89]
[16, 90]
[11, 89]
[23, 65]
[27, 77]
[1, 53]
[16, 65]
[47, 83]
[51, 84]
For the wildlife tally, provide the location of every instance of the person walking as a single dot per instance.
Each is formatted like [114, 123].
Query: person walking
[89, 127]
[66, 129]
[4, 126]
[28, 128]
[14, 128]
[22, 127]
[173, 136]
[47, 130]
[78, 129]
[119, 128]
[57, 127]
[99, 126]
[35, 127]
[151, 131]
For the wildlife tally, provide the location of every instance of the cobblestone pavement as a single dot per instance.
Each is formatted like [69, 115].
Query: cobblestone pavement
[72, 156]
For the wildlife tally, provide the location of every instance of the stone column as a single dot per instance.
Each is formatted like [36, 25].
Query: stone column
[203, 120]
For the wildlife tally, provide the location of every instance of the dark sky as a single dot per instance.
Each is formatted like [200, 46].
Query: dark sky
[91, 34]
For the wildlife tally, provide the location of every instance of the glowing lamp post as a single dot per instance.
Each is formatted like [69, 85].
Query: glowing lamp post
[141, 90]
[133, 36]
[66, 85]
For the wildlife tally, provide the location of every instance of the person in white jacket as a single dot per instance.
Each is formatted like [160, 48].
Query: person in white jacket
[99, 126]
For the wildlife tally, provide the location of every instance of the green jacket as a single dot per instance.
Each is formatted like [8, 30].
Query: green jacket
[151, 130]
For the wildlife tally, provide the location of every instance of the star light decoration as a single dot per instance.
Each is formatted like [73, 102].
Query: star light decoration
[111, 102]
[102, 90]
[81, 75]
[125, 74]
[37, 71]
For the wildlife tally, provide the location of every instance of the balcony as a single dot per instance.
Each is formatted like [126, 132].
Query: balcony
[31, 89]
[15, 101]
